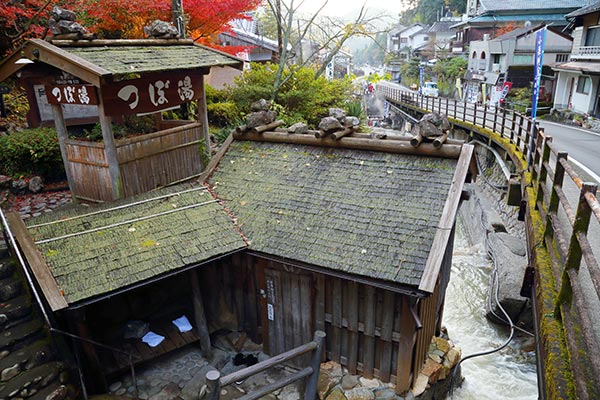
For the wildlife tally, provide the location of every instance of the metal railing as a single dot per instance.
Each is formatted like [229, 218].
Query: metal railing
[215, 382]
[11, 243]
[566, 205]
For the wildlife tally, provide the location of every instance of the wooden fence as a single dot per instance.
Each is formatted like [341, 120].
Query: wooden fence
[558, 222]
[145, 162]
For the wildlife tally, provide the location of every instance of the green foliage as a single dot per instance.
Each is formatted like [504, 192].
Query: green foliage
[31, 152]
[374, 78]
[302, 97]
[132, 125]
[447, 70]
[223, 114]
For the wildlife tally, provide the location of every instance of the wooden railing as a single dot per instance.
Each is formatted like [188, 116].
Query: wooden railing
[564, 209]
[215, 382]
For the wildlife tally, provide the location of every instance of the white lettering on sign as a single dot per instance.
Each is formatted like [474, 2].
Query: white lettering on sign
[157, 92]
[270, 312]
[82, 94]
[127, 92]
[184, 88]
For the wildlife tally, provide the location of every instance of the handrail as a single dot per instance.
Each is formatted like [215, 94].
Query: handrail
[15, 248]
[215, 381]
[568, 238]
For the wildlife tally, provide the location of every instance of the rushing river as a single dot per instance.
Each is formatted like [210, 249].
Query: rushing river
[508, 374]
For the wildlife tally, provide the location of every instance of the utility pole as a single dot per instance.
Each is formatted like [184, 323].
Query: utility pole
[178, 18]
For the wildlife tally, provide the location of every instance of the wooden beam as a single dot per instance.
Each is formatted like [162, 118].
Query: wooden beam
[199, 317]
[63, 136]
[202, 117]
[444, 228]
[214, 161]
[110, 151]
[39, 267]
[390, 146]
[66, 61]
[121, 42]
[405, 348]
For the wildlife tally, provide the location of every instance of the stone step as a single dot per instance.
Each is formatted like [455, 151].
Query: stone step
[10, 288]
[55, 391]
[17, 334]
[7, 267]
[27, 357]
[34, 379]
[15, 309]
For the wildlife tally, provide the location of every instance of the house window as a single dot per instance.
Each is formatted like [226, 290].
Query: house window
[482, 61]
[592, 37]
[403, 40]
[425, 38]
[583, 85]
[496, 58]
[562, 57]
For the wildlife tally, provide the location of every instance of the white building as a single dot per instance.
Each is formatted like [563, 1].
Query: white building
[578, 83]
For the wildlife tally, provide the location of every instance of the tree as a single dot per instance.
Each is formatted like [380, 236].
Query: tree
[121, 18]
[20, 20]
[303, 96]
[329, 33]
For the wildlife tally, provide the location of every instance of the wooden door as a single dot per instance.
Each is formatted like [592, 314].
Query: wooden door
[288, 315]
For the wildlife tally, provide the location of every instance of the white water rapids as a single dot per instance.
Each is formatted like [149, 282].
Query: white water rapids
[509, 374]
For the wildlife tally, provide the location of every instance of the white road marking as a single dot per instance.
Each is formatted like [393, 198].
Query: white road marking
[586, 169]
[572, 127]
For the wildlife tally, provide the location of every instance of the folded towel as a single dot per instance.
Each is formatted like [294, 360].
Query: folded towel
[152, 339]
[183, 324]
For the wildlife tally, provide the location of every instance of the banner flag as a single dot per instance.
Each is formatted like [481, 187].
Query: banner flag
[540, 42]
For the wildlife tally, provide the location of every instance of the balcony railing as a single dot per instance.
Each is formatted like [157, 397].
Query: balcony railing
[586, 52]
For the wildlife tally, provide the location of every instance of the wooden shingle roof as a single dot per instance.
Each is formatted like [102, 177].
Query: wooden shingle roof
[128, 59]
[368, 213]
[101, 249]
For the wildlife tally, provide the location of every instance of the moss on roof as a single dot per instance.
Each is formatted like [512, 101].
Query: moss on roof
[362, 212]
[93, 254]
[131, 59]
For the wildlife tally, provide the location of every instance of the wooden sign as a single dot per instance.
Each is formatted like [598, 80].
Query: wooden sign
[84, 95]
[151, 93]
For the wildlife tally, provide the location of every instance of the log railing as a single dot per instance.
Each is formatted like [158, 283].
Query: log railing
[215, 381]
[566, 206]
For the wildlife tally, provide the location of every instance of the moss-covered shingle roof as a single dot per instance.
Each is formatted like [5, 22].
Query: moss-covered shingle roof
[101, 249]
[131, 59]
[363, 212]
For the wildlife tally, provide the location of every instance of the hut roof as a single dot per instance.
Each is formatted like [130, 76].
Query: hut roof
[378, 213]
[96, 250]
[98, 60]
[368, 213]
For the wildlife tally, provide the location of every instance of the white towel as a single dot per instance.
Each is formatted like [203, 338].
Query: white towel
[183, 324]
[152, 339]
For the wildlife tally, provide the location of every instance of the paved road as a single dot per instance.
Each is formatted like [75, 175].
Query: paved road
[582, 145]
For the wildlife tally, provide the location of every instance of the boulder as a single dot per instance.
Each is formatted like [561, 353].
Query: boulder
[161, 29]
[511, 268]
[35, 184]
[5, 181]
[18, 186]
[259, 105]
[298, 127]
[259, 118]
[360, 393]
[337, 113]
[351, 122]
[60, 14]
[329, 124]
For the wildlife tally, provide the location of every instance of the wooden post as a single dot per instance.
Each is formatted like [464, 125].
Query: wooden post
[202, 117]
[310, 390]
[199, 317]
[76, 320]
[369, 334]
[352, 317]
[559, 174]
[213, 383]
[63, 135]
[110, 150]
[405, 348]
[455, 103]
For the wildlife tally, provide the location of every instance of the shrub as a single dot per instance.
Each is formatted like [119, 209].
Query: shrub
[31, 152]
[303, 96]
[223, 114]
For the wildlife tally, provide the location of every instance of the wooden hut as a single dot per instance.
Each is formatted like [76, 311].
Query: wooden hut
[76, 82]
[285, 234]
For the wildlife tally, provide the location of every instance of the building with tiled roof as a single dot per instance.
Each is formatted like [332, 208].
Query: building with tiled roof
[284, 234]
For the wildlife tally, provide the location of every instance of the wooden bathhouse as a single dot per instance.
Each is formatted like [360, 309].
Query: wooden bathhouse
[78, 82]
[282, 234]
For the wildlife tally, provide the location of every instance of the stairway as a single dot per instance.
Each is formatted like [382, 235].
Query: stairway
[29, 367]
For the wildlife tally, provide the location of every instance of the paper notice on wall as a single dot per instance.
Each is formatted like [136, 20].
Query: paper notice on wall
[270, 312]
